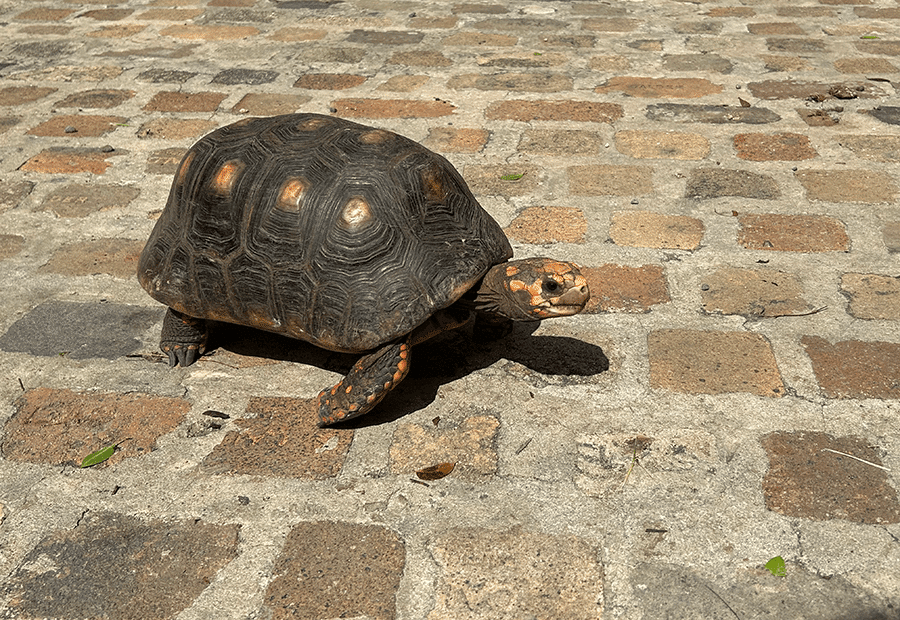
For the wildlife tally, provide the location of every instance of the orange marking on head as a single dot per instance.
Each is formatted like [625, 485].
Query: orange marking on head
[291, 195]
[511, 270]
[224, 180]
[516, 285]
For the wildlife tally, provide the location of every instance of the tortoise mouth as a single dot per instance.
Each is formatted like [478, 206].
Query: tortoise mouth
[570, 302]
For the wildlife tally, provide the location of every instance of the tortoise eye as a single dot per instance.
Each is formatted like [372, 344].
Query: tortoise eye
[551, 286]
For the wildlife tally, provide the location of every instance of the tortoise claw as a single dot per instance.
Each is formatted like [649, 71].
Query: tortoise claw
[183, 338]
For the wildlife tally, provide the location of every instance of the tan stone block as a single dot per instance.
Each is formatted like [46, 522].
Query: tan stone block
[583, 111]
[517, 82]
[456, 140]
[662, 145]
[474, 40]
[645, 229]
[329, 81]
[96, 98]
[115, 257]
[609, 180]
[404, 83]
[292, 34]
[753, 293]
[503, 179]
[172, 101]
[546, 225]
[872, 296]
[270, 104]
[875, 148]
[493, 574]
[209, 33]
[469, 444]
[713, 362]
[175, 129]
[868, 186]
[17, 95]
[282, 440]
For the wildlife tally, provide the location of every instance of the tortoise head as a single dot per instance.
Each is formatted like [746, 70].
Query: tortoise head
[533, 289]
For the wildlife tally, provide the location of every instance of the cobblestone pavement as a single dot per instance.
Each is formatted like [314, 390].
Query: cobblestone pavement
[726, 171]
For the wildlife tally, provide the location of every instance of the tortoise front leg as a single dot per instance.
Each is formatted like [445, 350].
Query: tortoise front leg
[369, 381]
[183, 338]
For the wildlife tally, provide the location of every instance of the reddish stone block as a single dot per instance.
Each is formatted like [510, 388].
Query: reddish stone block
[622, 288]
[811, 476]
[329, 81]
[793, 233]
[773, 147]
[69, 161]
[84, 126]
[61, 426]
[391, 108]
[172, 101]
[855, 369]
[456, 140]
[660, 88]
[526, 111]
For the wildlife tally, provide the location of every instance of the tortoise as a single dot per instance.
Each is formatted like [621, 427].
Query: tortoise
[352, 238]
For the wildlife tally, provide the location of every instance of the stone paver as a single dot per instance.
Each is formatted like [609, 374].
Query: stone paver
[725, 173]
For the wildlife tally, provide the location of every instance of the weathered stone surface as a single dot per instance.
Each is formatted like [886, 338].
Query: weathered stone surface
[175, 129]
[496, 574]
[568, 142]
[887, 114]
[891, 236]
[645, 229]
[172, 101]
[119, 566]
[63, 160]
[329, 81]
[773, 147]
[610, 180]
[252, 77]
[115, 257]
[794, 89]
[18, 95]
[79, 330]
[807, 479]
[391, 108]
[855, 369]
[270, 104]
[792, 233]
[696, 62]
[713, 362]
[77, 126]
[706, 183]
[801, 593]
[502, 179]
[516, 82]
[586, 111]
[875, 148]
[336, 570]
[283, 439]
[165, 76]
[622, 288]
[718, 114]
[165, 161]
[872, 296]
[456, 140]
[12, 193]
[470, 444]
[668, 88]
[868, 186]
[77, 200]
[10, 245]
[545, 225]
[97, 98]
[662, 145]
[753, 292]
[61, 426]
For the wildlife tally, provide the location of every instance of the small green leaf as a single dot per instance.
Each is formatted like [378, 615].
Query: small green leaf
[868, 36]
[99, 456]
[776, 566]
[511, 177]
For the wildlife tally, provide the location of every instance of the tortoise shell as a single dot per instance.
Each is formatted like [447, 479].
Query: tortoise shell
[318, 228]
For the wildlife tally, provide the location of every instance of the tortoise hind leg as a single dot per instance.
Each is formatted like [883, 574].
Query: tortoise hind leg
[369, 381]
[183, 338]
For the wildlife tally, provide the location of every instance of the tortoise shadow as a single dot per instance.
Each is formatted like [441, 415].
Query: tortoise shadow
[445, 358]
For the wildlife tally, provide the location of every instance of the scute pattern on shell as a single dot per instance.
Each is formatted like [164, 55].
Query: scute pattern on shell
[320, 229]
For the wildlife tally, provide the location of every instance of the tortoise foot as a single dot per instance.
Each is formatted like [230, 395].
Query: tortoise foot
[367, 383]
[183, 338]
